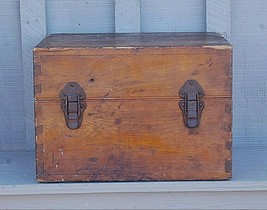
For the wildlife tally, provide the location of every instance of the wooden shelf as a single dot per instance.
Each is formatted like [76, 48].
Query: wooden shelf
[246, 190]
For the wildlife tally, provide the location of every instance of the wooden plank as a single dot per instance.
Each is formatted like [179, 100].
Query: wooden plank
[173, 15]
[12, 124]
[132, 75]
[80, 16]
[248, 35]
[218, 16]
[177, 200]
[33, 30]
[121, 140]
[127, 16]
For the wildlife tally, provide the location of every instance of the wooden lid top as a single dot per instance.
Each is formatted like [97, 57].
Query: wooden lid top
[116, 40]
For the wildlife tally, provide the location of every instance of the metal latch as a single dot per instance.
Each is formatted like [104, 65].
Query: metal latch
[72, 104]
[192, 104]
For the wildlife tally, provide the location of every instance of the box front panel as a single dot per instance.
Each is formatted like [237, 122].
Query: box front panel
[127, 140]
[133, 128]
[135, 75]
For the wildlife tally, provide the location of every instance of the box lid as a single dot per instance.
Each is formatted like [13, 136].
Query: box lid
[140, 65]
[139, 40]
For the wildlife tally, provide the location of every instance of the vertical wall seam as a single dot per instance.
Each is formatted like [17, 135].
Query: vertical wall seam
[33, 30]
[218, 17]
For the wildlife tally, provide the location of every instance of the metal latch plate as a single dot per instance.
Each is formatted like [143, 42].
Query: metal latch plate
[73, 104]
[192, 104]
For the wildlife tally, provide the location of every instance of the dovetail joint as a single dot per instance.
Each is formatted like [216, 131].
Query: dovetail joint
[39, 129]
[228, 145]
[228, 108]
[40, 168]
[37, 70]
[38, 89]
[228, 166]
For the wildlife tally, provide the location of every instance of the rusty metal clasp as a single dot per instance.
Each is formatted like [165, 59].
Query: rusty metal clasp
[192, 104]
[72, 104]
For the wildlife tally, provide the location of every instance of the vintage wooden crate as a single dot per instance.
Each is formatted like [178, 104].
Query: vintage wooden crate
[130, 107]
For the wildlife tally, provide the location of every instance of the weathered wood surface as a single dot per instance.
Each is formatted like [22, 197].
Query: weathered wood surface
[133, 128]
[149, 73]
[133, 140]
[111, 40]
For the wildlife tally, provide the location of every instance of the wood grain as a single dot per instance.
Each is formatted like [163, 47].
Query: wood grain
[133, 128]
[136, 75]
[122, 140]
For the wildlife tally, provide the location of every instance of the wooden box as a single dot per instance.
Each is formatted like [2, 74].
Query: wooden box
[131, 107]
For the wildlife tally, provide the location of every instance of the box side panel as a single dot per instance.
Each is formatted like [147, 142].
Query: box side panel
[147, 73]
[127, 140]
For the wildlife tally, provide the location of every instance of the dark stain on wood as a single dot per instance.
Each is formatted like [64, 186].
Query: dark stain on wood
[93, 159]
[118, 121]
[91, 114]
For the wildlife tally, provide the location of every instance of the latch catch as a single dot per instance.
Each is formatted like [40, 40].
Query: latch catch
[72, 104]
[192, 104]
